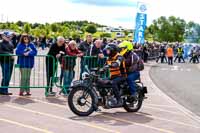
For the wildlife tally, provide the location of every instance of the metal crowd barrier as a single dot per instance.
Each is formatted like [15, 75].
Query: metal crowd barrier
[73, 67]
[47, 71]
[11, 72]
[153, 54]
[95, 62]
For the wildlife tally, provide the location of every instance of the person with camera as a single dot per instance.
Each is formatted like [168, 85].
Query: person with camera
[26, 52]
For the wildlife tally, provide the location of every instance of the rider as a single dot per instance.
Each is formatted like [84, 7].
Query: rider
[117, 70]
[131, 62]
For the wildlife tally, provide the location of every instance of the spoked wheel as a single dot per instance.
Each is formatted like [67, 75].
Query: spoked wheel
[134, 104]
[81, 101]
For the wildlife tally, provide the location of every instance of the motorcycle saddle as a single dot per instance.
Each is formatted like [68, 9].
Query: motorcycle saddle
[104, 83]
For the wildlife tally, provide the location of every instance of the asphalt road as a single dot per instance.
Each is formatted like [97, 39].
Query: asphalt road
[181, 82]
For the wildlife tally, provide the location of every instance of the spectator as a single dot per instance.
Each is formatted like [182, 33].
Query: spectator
[170, 54]
[7, 62]
[85, 48]
[68, 64]
[179, 55]
[43, 42]
[104, 43]
[96, 49]
[145, 54]
[162, 53]
[54, 54]
[194, 55]
[14, 40]
[26, 52]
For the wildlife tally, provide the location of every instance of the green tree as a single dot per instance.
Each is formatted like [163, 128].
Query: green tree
[192, 34]
[20, 23]
[15, 28]
[167, 29]
[54, 27]
[91, 29]
[75, 35]
[3, 26]
[27, 28]
[126, 33]
[103, 35]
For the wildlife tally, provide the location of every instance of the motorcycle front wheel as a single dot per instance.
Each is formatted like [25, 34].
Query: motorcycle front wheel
[81, 101]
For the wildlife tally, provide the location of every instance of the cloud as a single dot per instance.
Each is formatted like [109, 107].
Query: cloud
[42, 11]
[110, 3]
[126, 19]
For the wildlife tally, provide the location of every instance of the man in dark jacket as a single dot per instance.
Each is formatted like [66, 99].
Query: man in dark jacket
[7, 61]
[54, 54]
[85, 46]
[90, 49]
[162, 55]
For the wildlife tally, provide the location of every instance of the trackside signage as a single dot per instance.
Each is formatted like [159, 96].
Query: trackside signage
[141, 21]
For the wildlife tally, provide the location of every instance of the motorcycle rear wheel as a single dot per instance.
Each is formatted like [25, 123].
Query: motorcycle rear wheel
[134, 106]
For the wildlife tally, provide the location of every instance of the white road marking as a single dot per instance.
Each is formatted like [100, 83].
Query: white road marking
[164, 69]
[175, 68]
[188, 69]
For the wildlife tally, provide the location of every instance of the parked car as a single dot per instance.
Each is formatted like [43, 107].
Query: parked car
[120, 35]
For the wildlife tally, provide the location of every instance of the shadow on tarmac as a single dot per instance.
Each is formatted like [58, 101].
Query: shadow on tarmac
[23, 101]
[112, 118]
[4, 99]
[56, 101]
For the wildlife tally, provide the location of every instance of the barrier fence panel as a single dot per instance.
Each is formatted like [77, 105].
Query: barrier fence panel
[68, 68]
[94, 62]
[44, 71]
[26, 72]
[153, 54]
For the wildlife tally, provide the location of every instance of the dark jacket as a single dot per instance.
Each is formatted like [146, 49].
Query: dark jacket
[94, 51]
[26, 61]
[84, 47]
[131, 62]
[6, 48]
[55, 49]
[51, 61]
[89, 49]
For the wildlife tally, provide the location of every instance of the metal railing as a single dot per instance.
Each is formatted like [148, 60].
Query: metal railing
[25, 72]
[44, 71]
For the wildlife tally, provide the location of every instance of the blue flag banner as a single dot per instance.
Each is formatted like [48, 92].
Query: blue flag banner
[141, 21]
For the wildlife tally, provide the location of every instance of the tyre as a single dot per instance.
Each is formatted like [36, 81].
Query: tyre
[134, 105]
[81, 101]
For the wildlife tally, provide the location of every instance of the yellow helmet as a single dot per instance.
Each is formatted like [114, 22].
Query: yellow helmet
[127, 46]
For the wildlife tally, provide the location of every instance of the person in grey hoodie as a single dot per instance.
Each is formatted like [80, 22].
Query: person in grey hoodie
[6, 61]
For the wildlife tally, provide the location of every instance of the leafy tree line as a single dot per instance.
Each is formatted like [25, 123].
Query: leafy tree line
[68, 29]
[173, 29]
[170, 29]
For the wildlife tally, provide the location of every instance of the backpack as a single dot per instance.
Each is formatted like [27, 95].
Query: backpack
[140, 64]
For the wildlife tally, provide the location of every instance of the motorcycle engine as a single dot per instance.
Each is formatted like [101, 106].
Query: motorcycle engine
[111, 101]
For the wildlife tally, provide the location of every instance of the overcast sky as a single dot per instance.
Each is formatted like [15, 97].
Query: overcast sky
[109, 12]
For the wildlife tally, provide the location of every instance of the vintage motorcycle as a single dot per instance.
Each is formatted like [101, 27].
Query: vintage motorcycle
[92, 91]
